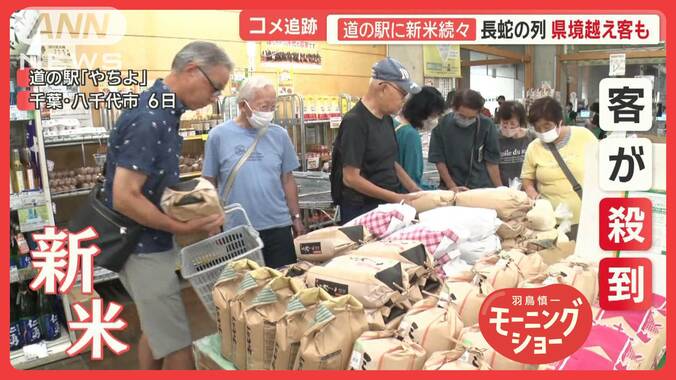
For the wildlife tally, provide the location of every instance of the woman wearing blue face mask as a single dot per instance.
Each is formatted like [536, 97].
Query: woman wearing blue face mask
[420, 112]
[542, 174]
[465, 146]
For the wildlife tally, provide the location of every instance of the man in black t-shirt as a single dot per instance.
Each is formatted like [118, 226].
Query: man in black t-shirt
[365, 172]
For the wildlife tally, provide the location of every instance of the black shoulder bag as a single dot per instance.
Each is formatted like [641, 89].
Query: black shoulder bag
[117, 233]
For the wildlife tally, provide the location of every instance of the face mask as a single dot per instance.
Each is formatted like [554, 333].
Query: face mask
[548, 136]
[260, 119]
[462, 121]
[428, 124]
[508, 132]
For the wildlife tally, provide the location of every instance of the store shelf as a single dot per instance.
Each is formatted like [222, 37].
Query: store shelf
[33, 226]
[190, 175]
[15, 114]
[19, 275]
[323, 121]
[26, 199]
[321, 224]
[56, 350]
[69, 194]
[76, 142]
[103, 275]
[202, 137]
[100, 275]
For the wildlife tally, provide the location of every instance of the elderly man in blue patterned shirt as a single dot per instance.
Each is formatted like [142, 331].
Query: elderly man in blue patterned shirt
[143, 155]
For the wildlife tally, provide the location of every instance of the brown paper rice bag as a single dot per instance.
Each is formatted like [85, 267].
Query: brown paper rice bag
[261, 317]
[557, 253]
[251, 284]
[529, 264]
[225, 290]
[421, 270]
[508, 203]
[374, 281]
[298, 318]
[433, 199]
[500, 271]
[328, 343]
[467, 298]
[541, 217]
[580, 274]
[435, 326]
[381, 350]
[474, 340]
[324, 244]
[457, 359]
[190, 200]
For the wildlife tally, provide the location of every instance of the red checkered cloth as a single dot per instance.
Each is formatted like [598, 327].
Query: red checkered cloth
[429, 237]
[376, 221]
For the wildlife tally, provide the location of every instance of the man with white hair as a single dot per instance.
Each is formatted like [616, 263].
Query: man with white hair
[143, 151]
[263, 182]
[364, 168]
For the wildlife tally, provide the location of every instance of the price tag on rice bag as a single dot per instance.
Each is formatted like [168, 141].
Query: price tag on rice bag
[355, 360]
[404, 327]
[467, 357]
[477, 280]
[444, 299]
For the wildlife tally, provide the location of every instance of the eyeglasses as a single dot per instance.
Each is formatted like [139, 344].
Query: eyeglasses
[401, 92]
[217, 91]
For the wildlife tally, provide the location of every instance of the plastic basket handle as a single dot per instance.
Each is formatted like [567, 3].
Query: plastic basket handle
[234, 207]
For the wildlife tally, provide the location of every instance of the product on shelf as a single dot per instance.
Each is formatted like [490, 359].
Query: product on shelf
[28, 315]
[15, 336]
[84, 178]
[190, 164]
[47, 317]
[65, 129]
[29, 170]
[18, 173]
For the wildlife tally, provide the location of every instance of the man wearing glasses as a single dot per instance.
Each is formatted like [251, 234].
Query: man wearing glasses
[143, 154]
[364, 168]
[263, 184]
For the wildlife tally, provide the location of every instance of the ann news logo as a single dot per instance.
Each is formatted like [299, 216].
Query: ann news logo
[70, 26]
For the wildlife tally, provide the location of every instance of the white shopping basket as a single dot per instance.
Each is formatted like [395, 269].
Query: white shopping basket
[202, 262]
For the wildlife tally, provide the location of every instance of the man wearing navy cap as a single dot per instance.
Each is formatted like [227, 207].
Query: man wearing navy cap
[364, 169]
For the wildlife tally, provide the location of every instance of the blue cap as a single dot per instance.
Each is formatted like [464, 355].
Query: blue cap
[391, 70]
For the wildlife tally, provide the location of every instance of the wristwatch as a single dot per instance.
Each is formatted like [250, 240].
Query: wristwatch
[295, 216]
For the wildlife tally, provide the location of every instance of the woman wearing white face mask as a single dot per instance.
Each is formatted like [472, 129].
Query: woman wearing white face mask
[542, 175]
[514, 140]
[263, 184]
[420, 113]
